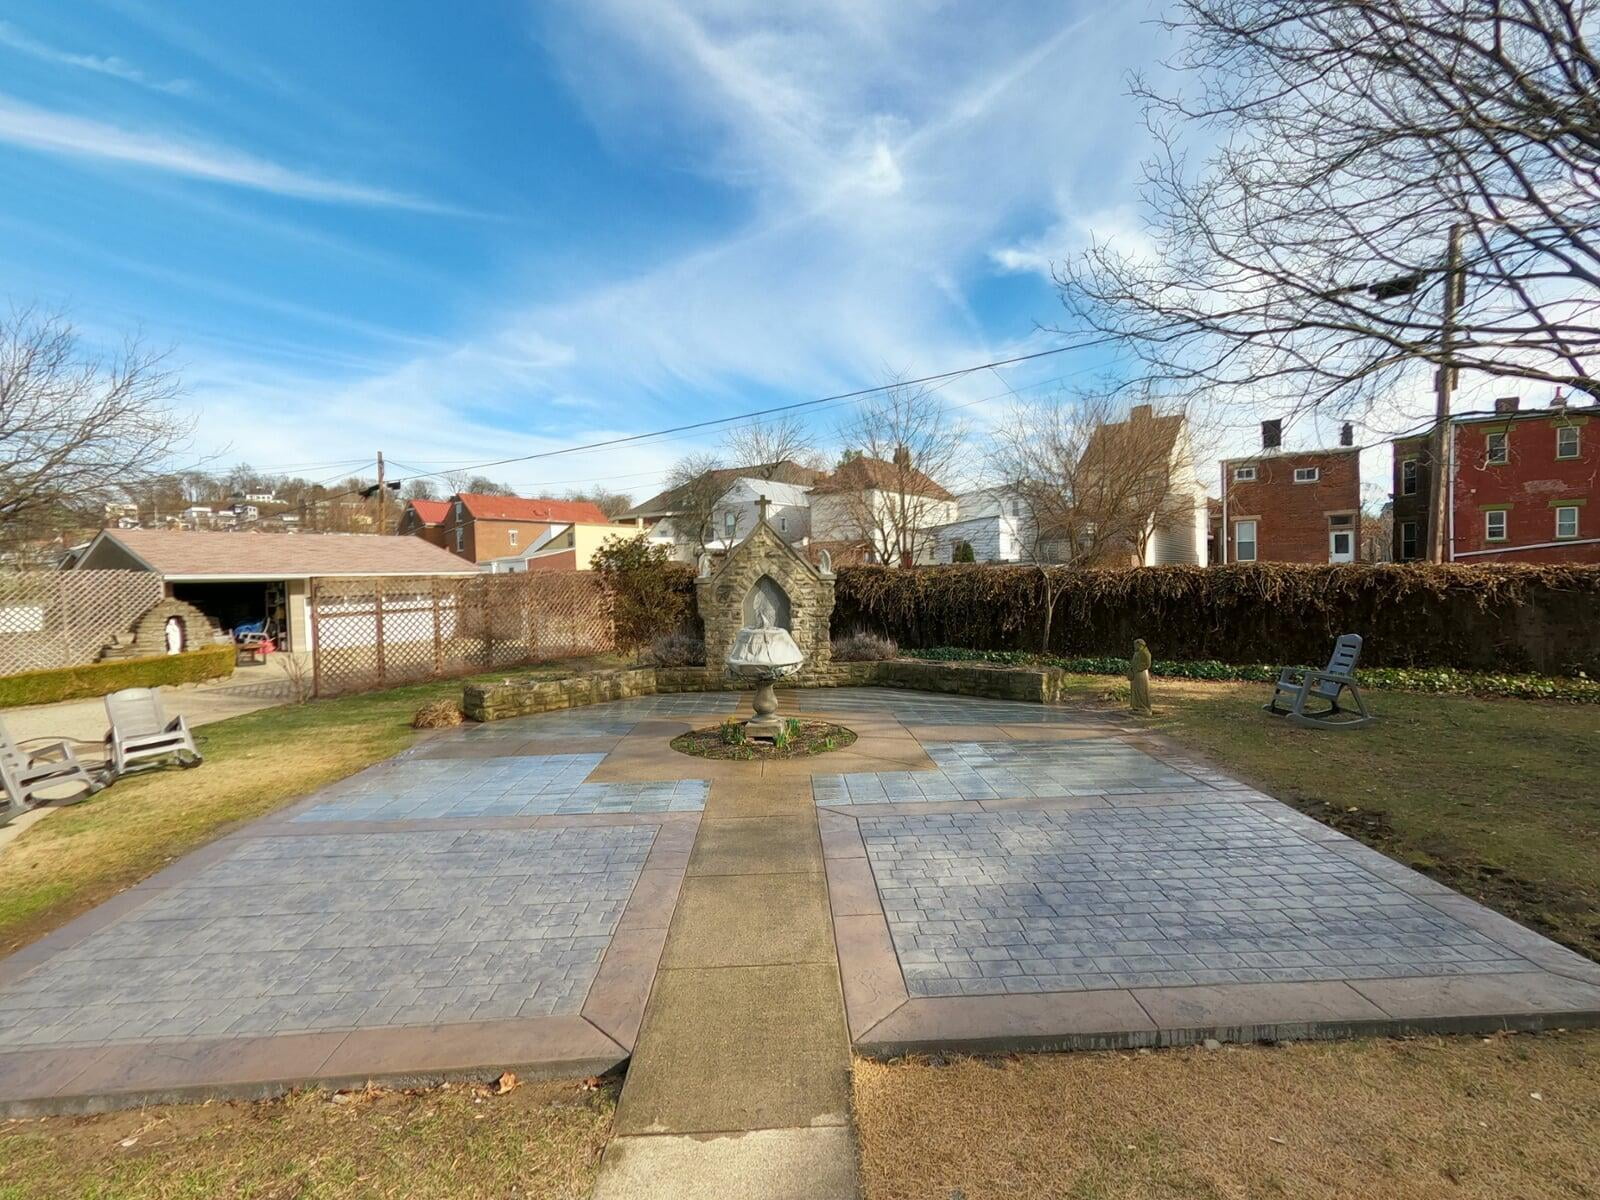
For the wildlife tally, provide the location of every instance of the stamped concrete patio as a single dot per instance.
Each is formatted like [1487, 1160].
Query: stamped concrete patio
[555, 894]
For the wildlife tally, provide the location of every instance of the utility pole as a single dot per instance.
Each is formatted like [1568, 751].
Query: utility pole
[1444, 384]
[383, 493]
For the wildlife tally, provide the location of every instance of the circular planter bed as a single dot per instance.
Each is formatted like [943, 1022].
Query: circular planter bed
[800, 739]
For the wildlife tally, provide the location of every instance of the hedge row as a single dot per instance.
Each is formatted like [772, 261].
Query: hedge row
[102, 678]
[1436, 680]
[1497, 619]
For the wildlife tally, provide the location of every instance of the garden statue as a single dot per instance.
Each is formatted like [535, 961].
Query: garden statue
[1139, 678]
[765, 652]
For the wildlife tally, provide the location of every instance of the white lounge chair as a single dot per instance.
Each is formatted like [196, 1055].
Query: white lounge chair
[140, 733]
[25, 773]
[1303, 686]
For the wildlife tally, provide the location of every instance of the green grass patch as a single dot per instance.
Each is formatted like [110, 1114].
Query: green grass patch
[103, 678]
[1441, 681]
[253, 764]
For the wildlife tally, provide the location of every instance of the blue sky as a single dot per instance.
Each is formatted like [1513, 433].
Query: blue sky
[463, 232]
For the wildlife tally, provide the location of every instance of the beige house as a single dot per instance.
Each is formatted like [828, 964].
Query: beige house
[239, 578]
[570, 547]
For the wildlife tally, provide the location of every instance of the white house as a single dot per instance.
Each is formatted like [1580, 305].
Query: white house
[992, 521]
[881, 511]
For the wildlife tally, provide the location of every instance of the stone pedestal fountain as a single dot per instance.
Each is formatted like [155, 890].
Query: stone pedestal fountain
[766, 653]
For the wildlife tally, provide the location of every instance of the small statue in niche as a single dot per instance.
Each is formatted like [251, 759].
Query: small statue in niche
[1139, 679]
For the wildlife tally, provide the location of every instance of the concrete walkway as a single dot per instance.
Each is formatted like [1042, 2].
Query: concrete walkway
[740, 1081]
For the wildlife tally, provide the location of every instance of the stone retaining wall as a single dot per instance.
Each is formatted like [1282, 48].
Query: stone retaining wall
[526, 697]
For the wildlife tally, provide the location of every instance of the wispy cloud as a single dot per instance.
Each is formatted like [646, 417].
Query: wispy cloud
[79, 137]
[100, 64]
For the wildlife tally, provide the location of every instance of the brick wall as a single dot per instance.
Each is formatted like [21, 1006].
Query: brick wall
[1292, 519]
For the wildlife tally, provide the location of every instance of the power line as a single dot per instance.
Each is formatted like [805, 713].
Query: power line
[941, 377]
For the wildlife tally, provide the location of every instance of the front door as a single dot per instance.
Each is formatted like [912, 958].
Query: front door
[1341, 545]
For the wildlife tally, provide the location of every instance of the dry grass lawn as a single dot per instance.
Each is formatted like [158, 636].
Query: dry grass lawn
[541, 1141]
[82, 855]
[1464, 1119]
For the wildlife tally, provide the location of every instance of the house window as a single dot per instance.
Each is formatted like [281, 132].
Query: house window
[1567, 521]
[461, 541]
[1496, 452]
[1408, 477]
[1566, 441]
[1408, 539]
[783, 524]
[1494, 525]
[511, 538]
[730, 522]
[1244, 474]
[1244, 541]
[1307, 474]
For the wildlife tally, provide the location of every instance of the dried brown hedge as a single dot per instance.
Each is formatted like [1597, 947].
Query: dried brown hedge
[1541, 619]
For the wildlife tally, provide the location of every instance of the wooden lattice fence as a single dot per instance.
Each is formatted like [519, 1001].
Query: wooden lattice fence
[52, 619]
[380, 632]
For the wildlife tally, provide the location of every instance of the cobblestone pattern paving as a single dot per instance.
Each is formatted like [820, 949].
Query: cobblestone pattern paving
[342, 931]
[506, 786]
[987, 903]
[1010, 770]
[928, 708]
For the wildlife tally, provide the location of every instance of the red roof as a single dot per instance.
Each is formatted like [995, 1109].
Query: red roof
[515, 508]
[430, 512]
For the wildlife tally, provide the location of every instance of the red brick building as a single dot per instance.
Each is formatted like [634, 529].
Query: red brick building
[480, 528]
[1523, 486]
[424, 519]
[1299, 506]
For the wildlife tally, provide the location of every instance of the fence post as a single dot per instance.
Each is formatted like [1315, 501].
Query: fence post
[377, 613]
[480, 586]
[66, 625]
[314, 603]
[438, 632]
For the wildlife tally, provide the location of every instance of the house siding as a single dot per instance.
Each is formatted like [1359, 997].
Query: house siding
[1528, 487]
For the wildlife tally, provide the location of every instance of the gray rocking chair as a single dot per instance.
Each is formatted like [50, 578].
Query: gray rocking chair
[140, 733]
[25, 773]
[1302, 687]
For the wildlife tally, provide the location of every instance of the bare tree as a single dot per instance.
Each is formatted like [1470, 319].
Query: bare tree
[887, 490]
[1398, 186]
[697, 483]
[760, 448]
[76, 429]
[1094, 480]
[613, 504]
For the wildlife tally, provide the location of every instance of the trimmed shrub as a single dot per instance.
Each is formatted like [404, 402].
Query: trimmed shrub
[676, 650]
[1498, 619]
[864, 647]
[103, 678]
[1437, 680]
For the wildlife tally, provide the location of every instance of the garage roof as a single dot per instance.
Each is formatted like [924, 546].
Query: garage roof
[195, 555]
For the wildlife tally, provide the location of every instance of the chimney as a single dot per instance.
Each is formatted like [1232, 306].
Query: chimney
[1347, 434]
[902, 458]
[1558, 400]
[1271, 434]
[1139, 412]
[1507, 404]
